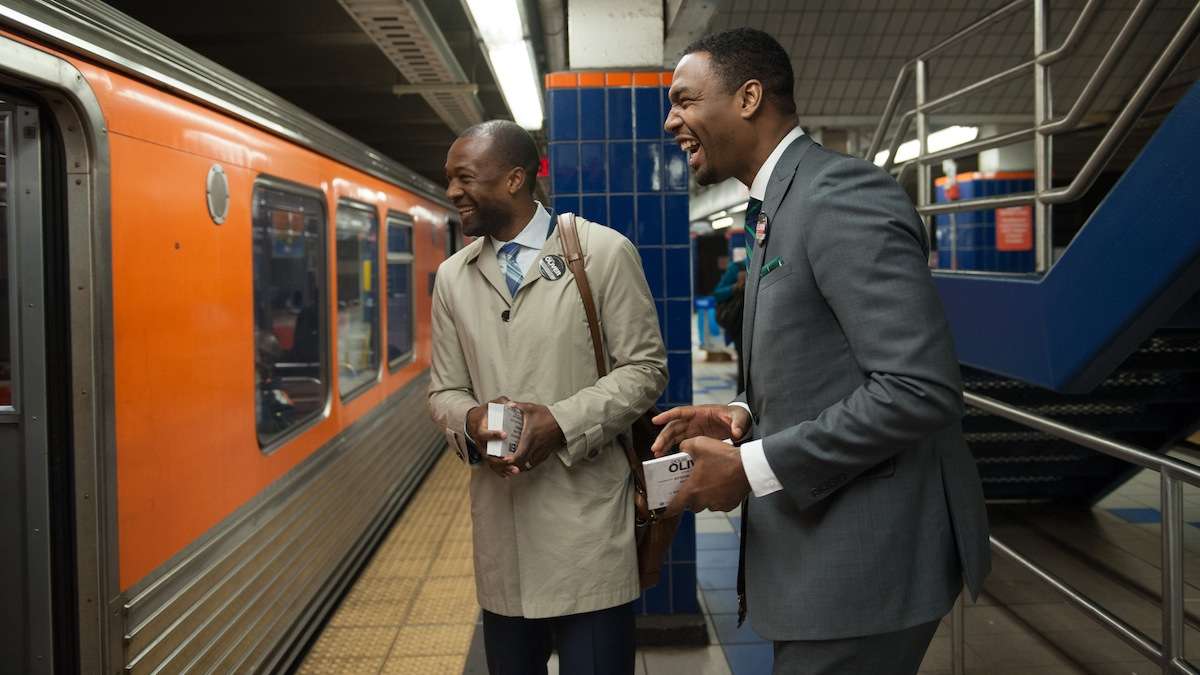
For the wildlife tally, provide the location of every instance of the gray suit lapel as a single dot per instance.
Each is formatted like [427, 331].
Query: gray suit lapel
[777, 188]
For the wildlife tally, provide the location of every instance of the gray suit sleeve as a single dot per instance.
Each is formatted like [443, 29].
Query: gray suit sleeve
[866, 247]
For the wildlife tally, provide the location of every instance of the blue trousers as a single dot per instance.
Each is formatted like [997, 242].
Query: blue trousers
[591, 643]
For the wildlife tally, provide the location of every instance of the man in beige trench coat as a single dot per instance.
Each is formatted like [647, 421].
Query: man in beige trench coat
[555, 563]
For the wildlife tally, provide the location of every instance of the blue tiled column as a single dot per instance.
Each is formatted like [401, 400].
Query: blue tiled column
[612, 163]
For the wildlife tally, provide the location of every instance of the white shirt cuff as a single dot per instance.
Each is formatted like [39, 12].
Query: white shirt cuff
[754, 460]
[743, 405]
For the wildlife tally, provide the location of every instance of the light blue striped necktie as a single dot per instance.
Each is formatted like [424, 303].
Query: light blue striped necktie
[512, 271]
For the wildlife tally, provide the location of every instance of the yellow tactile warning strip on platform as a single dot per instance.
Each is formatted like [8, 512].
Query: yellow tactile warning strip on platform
[413, 609]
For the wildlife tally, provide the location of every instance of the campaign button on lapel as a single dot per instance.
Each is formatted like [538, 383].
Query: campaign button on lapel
[760, 229]
[552, 267]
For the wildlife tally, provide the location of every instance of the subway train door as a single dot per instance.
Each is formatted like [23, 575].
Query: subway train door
[26, 566]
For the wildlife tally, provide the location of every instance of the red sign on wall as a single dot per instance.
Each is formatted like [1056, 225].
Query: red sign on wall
[1014, 228]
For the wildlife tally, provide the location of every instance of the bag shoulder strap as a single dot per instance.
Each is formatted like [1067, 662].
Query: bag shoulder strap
[570, 238]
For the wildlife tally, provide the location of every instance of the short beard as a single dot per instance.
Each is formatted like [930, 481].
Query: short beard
[707, 177]
[491, 218]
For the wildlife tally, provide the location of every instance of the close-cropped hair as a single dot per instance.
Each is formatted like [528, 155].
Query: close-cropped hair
[513, 145]
[743, 54]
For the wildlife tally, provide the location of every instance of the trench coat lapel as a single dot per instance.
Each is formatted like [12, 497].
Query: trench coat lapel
[485, 262]
[553, 246]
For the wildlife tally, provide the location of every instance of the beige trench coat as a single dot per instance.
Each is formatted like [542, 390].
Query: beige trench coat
[558, 540]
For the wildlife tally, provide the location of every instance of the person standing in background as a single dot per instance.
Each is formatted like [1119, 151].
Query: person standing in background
[730, 298]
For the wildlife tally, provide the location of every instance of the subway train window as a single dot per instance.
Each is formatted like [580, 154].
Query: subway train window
[6, 394]
[289, 309]
[399, 287]
[358, 293]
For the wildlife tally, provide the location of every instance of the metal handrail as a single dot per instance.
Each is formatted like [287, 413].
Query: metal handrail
[996, 202]
[1133, 110]
[1169, 654]
[978, 25]
[1043, 128]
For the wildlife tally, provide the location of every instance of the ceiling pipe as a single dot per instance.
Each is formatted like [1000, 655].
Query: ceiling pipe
[554, 33]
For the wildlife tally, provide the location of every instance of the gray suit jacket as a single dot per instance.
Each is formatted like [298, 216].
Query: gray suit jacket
[856, 393]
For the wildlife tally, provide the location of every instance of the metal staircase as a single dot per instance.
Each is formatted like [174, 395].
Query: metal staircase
[1087, 370]
[1151, 401]
[1104, 336]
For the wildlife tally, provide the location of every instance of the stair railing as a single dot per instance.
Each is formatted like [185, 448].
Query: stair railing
[1044, 128]
[1169, 653]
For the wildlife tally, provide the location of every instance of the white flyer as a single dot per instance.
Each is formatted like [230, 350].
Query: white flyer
[511, 421]
[664, 477]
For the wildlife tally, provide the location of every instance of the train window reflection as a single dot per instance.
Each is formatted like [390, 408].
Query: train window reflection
[6, 393]
[399, 290]
[289, 309]
[358, 296]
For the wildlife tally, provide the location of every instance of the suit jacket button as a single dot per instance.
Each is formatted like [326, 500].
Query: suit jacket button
[592, 454]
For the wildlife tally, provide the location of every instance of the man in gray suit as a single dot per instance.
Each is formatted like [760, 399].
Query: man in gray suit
[867, 512]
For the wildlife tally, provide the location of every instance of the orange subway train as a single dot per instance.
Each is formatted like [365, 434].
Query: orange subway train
[214, 354]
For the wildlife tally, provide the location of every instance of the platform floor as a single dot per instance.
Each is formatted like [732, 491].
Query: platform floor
[413, 609]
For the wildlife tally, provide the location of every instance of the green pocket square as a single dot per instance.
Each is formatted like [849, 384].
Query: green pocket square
[772, 265]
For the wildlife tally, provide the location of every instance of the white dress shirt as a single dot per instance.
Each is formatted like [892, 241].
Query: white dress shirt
[531, 239]
[754, 460]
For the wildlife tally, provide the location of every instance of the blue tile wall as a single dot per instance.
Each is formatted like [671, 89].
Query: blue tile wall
[595, 208]
[678, 333]
[621, 217]
[676, 220]
[592, 168]
[652, 267]
[564, 167]
[620, 113]
[620, 167]
[612, 162]
[564, 114]
[648, 117]
[679, 383]
[675, 168]
[648, 167]
[566, 203]
[591, 124]
[649, 220]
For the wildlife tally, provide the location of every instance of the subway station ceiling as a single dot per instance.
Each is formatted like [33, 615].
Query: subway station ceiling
[314, 54]
[846, 55]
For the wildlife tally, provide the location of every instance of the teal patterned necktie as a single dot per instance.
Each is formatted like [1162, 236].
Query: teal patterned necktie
[753, 208]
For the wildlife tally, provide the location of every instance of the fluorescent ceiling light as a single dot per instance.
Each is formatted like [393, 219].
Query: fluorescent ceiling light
[938, 141]
[722, 223]
[498, 23]
[740, 207]
[513, 65]
[718, 214]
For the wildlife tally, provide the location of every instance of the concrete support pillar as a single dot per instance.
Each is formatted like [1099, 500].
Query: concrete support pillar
[607, 34]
